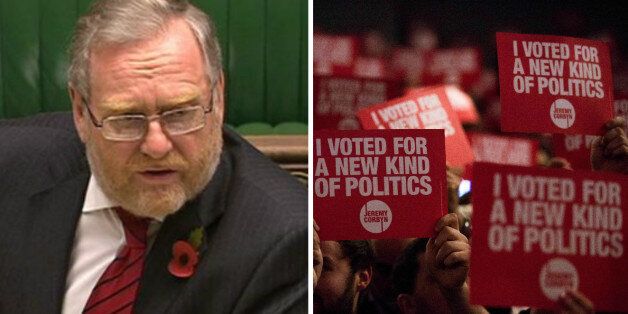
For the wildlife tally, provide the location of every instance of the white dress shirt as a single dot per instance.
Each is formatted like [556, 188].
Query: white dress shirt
[99, 235]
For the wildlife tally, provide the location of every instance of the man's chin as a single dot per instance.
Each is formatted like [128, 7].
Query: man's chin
[155, 203]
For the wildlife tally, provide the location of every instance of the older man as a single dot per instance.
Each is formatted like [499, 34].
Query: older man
[171, 213]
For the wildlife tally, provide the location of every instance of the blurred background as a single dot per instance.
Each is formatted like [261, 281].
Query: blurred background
[367, 52]
[264, 46]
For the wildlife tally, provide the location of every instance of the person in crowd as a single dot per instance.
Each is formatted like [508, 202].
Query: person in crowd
[346, 273]
[430, 276]
[341, 287]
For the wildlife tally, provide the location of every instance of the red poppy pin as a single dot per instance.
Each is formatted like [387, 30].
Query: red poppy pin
[185, 255]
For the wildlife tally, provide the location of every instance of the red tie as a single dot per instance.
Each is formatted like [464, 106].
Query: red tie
[117, 288]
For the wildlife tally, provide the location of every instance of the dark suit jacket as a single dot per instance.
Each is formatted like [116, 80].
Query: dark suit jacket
[253, 259]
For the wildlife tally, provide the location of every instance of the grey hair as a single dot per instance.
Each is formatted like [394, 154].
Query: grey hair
[125, 21]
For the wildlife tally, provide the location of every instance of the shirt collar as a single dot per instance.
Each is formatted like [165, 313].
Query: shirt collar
[95, 198]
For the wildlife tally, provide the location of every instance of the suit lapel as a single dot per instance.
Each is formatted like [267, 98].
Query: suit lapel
[50, 239]
[158, 288]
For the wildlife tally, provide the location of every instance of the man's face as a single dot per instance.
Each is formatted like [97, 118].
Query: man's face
[336, 288]
[156, 175]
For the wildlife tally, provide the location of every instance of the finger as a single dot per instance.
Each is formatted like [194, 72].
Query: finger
[317, 240]
[616, 142]
[581, 299]
[316, 227]
[620, 151]
[613, 145]
[569, 304]
[615, 122]
[458, 257]
[559, 163]
[450, 248]
[429, 247]
[448, 234]
[450, 220]
[597, 142]
[611, 134]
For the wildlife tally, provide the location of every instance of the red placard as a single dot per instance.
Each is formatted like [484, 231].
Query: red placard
[378, 184]
[538, 232]
[337, 98]
[425, 108]
[457, 66]
[334, 55]
[408, 62]
[574, 148]
[371, 67]
[463, 104]
[504, 150]
[554, 84]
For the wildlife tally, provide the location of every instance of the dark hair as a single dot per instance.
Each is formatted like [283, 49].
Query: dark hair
[407, 267]
[359, 252]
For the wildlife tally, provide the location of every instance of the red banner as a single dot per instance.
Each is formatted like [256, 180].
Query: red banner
[338, 98]
[538, 232]
[409, 63]
[378, 184]
[426, 108]
[503, 150]
[376, 68]
[463, 104]
[334, 55]
[456, 66]
[554, 84]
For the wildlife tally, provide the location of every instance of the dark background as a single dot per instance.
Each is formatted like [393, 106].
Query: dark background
[475, 22]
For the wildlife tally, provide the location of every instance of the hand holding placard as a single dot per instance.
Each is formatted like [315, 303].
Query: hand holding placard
[448, 254]
[447, 257]
[610, 152]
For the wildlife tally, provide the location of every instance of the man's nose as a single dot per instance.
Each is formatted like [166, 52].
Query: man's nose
[156, 143]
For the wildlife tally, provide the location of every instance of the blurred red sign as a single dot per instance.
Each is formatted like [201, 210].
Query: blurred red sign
[575, 148]
[376, 68]
[427, 108]
[334, 55]
[338, 98]
[538, 232]
[502, 150]
[456, 66]
[409, 63]
[462, 103]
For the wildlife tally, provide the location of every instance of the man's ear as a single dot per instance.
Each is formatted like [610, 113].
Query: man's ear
[78, 113]
[218, 96]
[363, 278]
[406, 304]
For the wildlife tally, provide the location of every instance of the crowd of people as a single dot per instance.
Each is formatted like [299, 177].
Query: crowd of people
[421, 275]
[430, 275]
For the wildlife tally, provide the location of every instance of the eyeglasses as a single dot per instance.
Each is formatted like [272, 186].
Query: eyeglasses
[132, 127]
